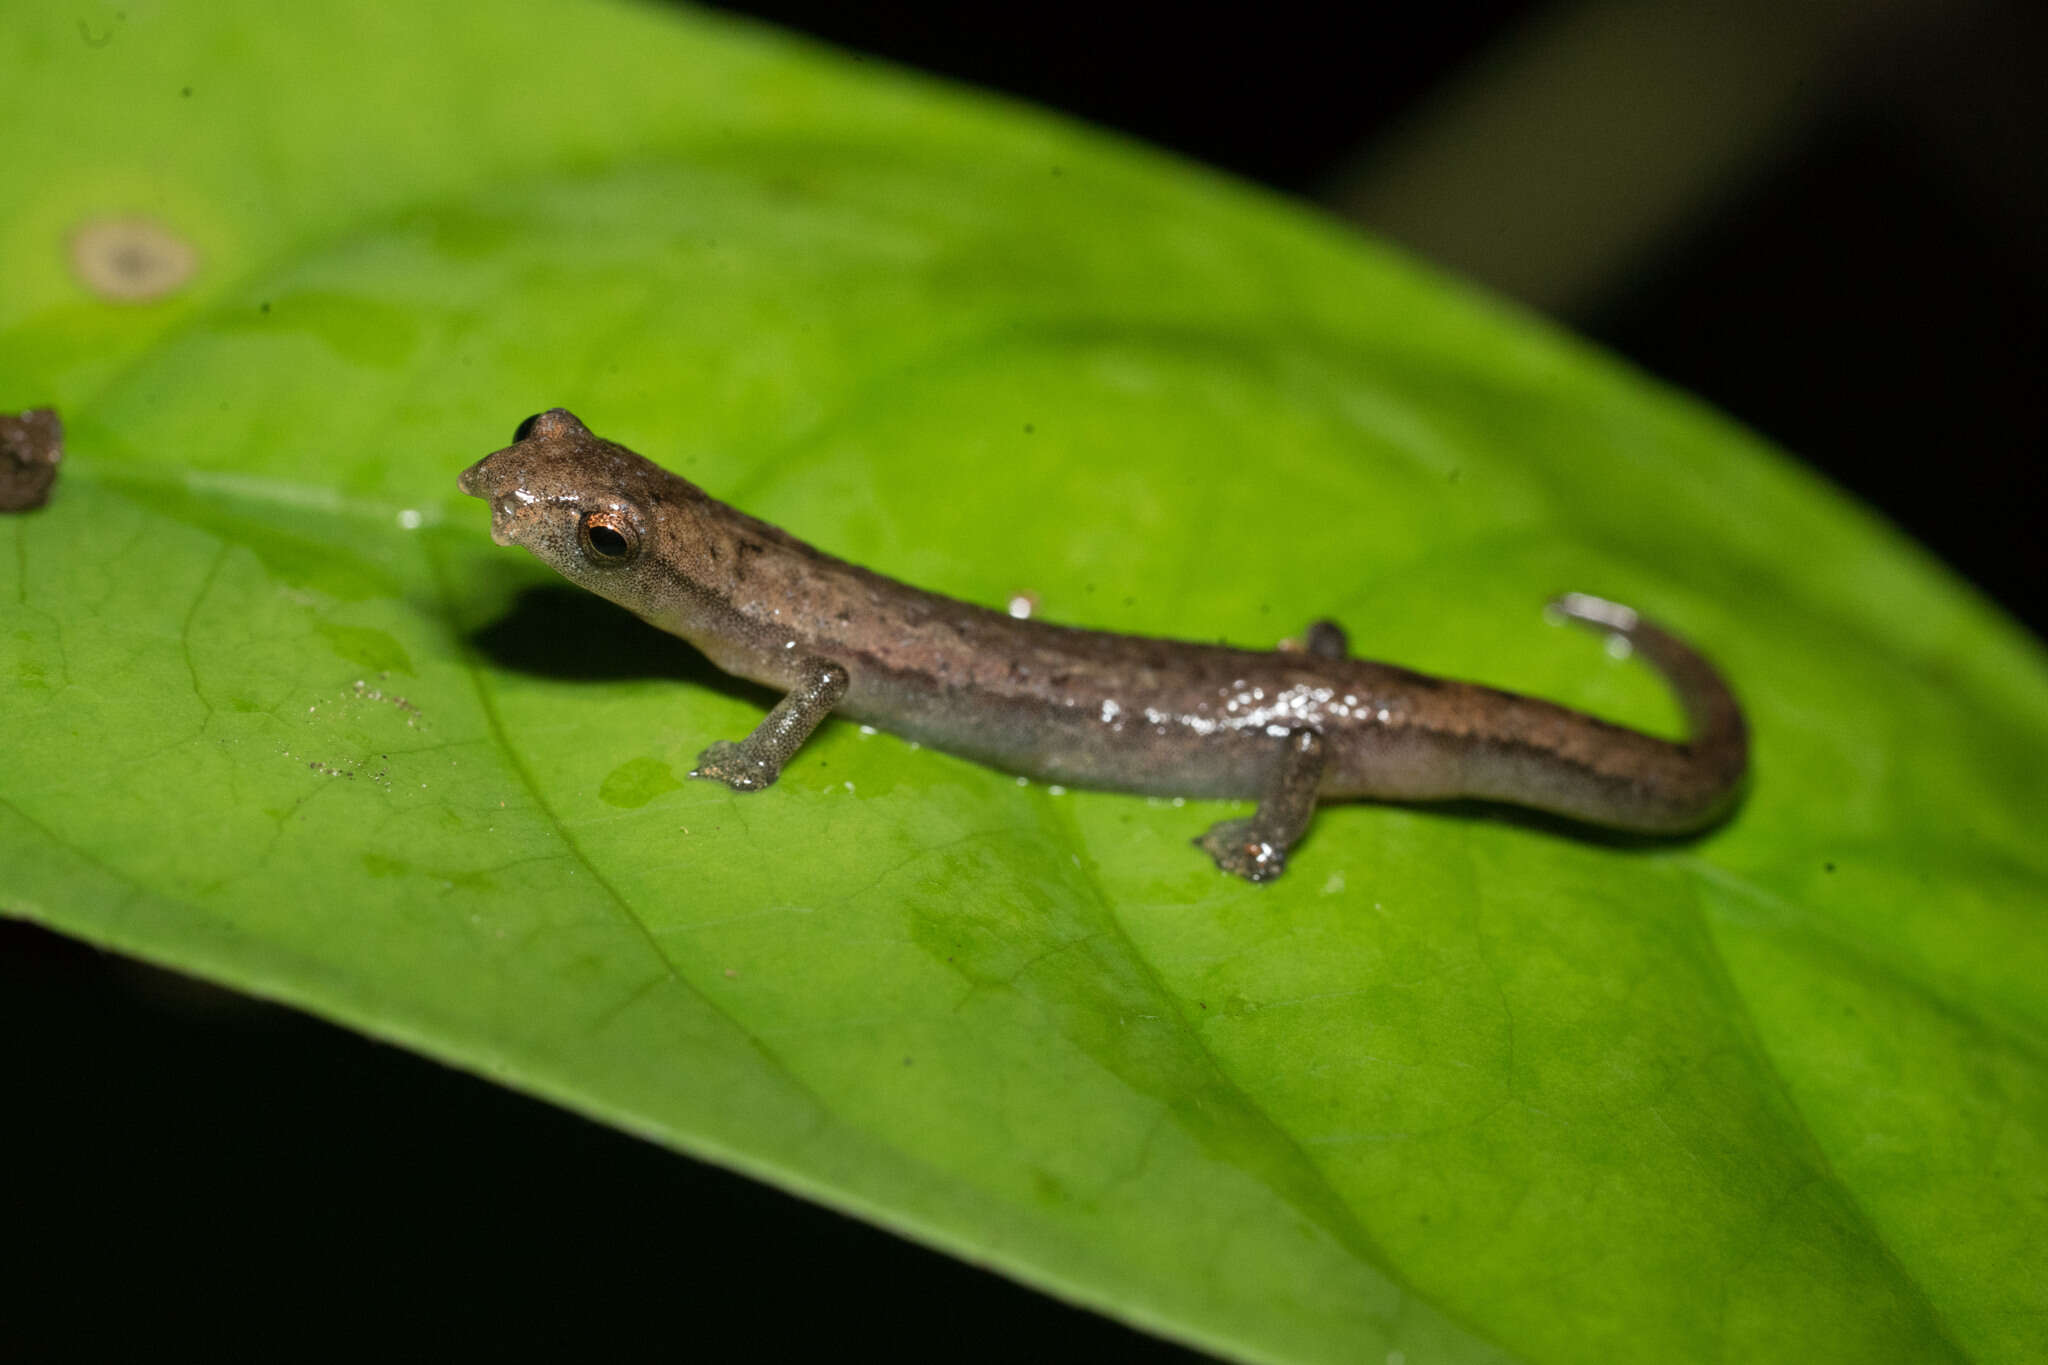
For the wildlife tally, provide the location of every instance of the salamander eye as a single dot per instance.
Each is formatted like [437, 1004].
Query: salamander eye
[525, 429]
[609, 538]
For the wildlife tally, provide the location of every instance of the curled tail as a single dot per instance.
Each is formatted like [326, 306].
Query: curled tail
[1593, 770]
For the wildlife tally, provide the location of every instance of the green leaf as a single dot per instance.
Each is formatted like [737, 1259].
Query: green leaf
[1459, 1087]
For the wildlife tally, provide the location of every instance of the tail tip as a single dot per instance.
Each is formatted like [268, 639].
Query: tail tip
[1594, 611]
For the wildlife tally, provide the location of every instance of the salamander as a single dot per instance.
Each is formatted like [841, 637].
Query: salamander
[1285, 728]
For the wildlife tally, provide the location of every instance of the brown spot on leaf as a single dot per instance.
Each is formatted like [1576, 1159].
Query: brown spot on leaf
[131, 260]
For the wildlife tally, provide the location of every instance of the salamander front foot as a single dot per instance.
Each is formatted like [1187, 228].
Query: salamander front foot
[737, 768]
[1239, 850]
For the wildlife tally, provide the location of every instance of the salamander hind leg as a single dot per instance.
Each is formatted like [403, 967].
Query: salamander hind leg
[1255, 847]
[756, 761]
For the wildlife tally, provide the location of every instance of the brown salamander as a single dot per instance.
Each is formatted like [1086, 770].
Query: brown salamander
[1089, 707]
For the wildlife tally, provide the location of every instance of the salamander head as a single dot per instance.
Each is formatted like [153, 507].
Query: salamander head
[600, 515]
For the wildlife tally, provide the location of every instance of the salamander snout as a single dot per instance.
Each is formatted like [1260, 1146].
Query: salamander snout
[475, 480]
[499, 483]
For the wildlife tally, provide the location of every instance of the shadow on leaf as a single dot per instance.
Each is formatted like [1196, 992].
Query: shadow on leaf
[560, 632]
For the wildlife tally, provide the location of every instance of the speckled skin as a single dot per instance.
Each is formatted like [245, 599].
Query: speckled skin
[1086, 707]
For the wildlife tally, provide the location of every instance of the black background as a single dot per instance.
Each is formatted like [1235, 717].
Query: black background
[190, 1168]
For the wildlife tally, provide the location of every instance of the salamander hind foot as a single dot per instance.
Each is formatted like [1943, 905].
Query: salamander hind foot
[1255, 847]
[1239, 850]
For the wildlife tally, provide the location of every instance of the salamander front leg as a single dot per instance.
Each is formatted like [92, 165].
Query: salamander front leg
[1256, 848]
[757, 760]
[1324, 639]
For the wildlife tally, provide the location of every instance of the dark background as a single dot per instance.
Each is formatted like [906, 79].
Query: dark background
[1862, 280]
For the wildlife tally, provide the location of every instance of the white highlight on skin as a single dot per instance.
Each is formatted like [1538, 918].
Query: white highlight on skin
[1022, 605]
[1251, 708]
